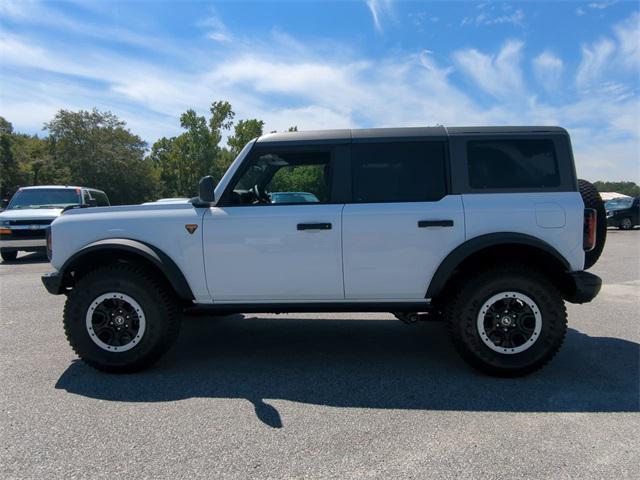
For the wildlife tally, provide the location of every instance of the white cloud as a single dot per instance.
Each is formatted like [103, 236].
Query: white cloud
[217, 30]
[490, 18]
[628, 36]
[380, 10]
[611, 56]
[600, 5]
[595, 59]
[499, 75]
[34, 12]
[548, 68]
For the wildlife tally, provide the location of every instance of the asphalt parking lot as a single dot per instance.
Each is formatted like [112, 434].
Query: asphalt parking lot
[321, 396]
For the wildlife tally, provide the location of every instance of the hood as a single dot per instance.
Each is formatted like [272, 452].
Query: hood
[30, 214]
[130, 208]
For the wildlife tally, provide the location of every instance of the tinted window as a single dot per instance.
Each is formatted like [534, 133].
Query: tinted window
[44, 198]
[285, 177]
[512, 164]
[100, 198]
[398, 172]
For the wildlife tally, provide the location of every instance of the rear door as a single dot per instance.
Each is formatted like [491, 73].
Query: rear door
[401, 222]
[276, 236]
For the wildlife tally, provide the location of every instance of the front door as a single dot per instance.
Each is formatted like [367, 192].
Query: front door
[275, 234]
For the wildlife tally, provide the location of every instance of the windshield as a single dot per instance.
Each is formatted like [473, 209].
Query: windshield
[44, 198]
[618, 203]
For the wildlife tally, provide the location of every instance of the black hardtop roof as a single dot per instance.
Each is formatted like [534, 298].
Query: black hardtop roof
[401, 133]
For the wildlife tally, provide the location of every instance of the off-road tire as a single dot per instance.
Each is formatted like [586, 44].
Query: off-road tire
[463, 307]
[592, 199]
[9, 256]
[158, 302]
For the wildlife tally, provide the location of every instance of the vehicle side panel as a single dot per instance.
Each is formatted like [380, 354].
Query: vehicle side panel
[161, 226]
[553, 217]
[258, 253]
[388, 256]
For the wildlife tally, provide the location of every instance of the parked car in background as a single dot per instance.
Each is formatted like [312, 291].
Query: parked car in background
[31, 211]
[623, 213]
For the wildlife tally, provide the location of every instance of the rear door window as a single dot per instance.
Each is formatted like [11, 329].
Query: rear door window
[512, 164]
[385, 172]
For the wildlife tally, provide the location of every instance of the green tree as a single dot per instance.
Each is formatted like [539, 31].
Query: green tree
[181, 161]
[625, 188]
[97, 150]
[243, 132]
[9, 171]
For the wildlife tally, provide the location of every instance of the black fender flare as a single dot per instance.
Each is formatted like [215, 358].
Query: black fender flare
[154, 255]
[474, 245]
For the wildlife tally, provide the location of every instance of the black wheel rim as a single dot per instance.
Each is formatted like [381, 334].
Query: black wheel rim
[509, 322]
[115, 322]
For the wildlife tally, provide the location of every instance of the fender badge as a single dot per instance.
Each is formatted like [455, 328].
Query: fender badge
[191, 227]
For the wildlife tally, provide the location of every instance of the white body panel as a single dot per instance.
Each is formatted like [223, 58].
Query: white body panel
[162, 226]
[256, 253]
[386, 255]
[554, 217]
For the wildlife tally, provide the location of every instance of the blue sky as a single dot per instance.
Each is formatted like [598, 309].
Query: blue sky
[335, 64]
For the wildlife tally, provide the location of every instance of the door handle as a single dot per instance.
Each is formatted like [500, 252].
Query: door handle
[314, 226]
[435, 223]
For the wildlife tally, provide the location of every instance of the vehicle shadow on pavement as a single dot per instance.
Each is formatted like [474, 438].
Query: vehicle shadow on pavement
[363, 364]
[35, 257]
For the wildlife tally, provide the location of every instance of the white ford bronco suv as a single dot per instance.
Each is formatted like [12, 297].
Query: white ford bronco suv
[487, 228]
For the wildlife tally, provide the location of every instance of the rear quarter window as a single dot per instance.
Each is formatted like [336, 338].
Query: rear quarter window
[512, 164]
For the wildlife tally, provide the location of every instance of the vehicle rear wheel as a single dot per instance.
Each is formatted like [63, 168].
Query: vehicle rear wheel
[591, 198]
[507, 321]
[626, 224]
[119, 318]
[9, 256]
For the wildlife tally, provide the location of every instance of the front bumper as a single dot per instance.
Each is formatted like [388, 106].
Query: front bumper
[53, 283]
[583, 287]
[22, 244]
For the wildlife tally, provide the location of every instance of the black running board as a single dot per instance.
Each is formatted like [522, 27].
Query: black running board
[229, 308]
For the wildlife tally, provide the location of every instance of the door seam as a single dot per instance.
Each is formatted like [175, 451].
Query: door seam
[344, 290]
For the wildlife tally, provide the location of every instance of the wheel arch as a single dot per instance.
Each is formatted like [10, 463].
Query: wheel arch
[123, 249]
[499, 246]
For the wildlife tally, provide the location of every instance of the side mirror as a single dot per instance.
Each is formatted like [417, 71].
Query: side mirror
[206, 189]
[93, 202]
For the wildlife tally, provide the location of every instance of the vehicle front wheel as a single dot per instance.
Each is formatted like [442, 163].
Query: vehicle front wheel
[626, 224]
[507, 321]
[119, 318]
[9, 256]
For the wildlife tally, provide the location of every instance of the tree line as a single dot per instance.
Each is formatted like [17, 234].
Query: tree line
[96, 149]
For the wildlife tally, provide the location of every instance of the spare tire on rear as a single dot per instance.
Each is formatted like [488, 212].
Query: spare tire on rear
[592, 199]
